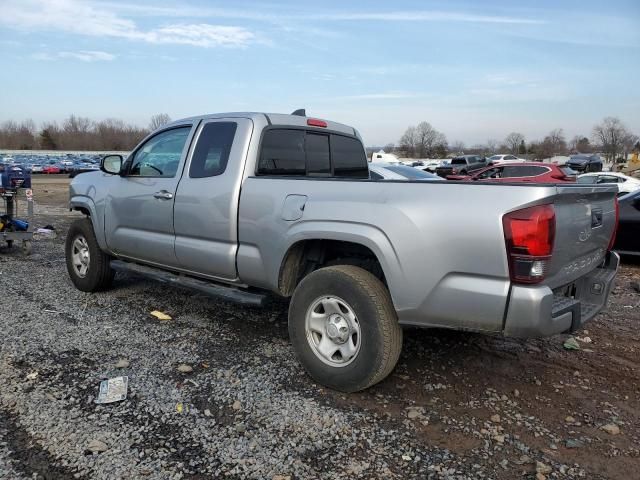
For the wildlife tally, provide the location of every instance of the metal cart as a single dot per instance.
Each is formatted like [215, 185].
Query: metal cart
[9, 233]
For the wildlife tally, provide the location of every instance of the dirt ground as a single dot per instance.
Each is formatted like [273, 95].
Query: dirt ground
[495, 405]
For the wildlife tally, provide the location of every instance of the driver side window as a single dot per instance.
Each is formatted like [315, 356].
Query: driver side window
[160, 155]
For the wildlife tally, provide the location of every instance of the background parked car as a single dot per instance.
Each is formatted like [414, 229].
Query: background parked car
[628, 236]
[532, 172]
[625, 183]
[502, 158]
[432, 165]
[82, 168]
[385, 171]
[462, 165]
[48, 169]
[585, 162]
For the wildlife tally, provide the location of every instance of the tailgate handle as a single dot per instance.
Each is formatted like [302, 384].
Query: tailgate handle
[596, 218]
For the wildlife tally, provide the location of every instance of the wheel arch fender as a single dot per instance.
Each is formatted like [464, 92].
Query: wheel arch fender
[366, 235]
[87, 206]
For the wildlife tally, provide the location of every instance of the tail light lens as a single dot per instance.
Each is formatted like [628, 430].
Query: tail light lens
[529, 235]
[454, 171]
[615, 227]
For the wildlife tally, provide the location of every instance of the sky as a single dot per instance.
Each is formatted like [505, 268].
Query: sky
[475, 70]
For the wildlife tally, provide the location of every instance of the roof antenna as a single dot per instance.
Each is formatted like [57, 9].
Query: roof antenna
[300, 112]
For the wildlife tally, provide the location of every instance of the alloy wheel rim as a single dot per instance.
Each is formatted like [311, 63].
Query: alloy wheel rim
[80, 257]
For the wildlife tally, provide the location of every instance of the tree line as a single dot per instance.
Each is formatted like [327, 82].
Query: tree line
[610, 137]
[76, 133]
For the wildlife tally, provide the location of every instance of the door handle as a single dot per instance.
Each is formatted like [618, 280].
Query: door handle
[163, 195]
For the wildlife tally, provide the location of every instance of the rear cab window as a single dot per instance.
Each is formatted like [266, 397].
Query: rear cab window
[302, 152]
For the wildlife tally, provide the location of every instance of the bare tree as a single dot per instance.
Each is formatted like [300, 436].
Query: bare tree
[492, 145]
[408, 142]
[555, 142]
[513, 141]
[430, 142]
[457, 147]
[629, 144]
[16, 135]
[611, 134]
[580, 144]
[159, 120]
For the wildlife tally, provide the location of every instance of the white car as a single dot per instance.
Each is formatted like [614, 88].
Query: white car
[431, 165]
[504, 158]
[388, 171]
[626, 184]
[35, 168]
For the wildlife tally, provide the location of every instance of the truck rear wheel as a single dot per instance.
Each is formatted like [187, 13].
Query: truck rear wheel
[88, 266]
[344, 328]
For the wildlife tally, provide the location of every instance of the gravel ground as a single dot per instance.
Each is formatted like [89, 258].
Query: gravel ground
[459, 405]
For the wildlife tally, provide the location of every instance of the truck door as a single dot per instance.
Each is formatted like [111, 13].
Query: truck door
[139, 207]
[207, 198]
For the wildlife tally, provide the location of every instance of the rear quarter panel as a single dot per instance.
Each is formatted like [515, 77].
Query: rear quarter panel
[440, 244]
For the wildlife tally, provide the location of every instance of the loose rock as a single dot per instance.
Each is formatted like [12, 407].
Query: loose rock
[611, 428]
[122, 363]
[97, 446]
[543, 468]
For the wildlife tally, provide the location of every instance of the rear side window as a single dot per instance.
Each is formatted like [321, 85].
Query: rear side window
[590, 179]
[282, 153]
[211, 154]
[348, 157]
[523, 171]
[300, 153]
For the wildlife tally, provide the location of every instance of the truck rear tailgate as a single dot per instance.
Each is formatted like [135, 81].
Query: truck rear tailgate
[585, 222]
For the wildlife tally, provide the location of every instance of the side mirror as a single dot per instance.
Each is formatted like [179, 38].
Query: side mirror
[111, 164]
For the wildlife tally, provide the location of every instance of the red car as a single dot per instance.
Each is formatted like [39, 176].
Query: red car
[50, 169]
[534, 172]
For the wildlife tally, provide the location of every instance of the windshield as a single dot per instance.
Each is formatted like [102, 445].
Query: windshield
[411, 173]
[495, 157]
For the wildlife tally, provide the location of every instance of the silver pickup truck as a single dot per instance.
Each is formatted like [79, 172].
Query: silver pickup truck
[244, 205]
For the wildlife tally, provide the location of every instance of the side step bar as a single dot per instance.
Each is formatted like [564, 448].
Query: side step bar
[223, 292]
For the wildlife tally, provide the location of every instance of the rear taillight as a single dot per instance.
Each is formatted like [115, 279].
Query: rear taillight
[615, 227]
[529, 235]
[454, 171]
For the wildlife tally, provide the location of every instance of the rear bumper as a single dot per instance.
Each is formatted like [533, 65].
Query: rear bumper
[538, 311]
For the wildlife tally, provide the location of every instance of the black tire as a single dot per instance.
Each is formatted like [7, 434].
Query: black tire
[99, 274]
[381, 335]
[463, 172]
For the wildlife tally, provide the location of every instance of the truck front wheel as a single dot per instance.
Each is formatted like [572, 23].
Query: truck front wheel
[89, 267]
[344, 328]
